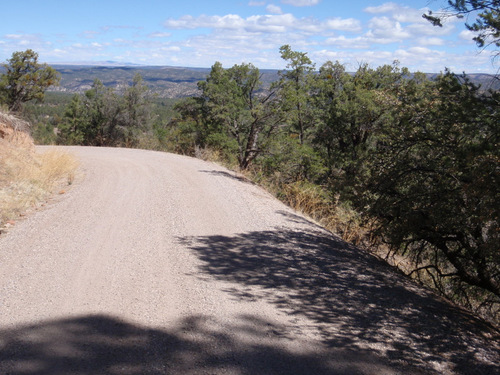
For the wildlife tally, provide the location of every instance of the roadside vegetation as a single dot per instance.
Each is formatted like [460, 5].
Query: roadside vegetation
[405, 166]
[27, 178]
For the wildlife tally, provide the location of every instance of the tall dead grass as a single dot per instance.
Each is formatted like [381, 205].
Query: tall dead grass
[314, 202]
[27, 178]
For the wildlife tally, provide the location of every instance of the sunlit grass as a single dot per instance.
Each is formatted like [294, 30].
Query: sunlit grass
[27, 178]
[334, 216]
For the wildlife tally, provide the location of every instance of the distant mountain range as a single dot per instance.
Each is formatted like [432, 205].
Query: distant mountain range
[168, 81]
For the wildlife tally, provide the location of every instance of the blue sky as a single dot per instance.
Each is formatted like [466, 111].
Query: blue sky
[198, 33]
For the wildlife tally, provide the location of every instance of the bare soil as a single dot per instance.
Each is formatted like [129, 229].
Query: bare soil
[154, 263]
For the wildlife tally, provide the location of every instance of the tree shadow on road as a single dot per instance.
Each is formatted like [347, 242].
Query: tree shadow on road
[358, 302]
[100, 344]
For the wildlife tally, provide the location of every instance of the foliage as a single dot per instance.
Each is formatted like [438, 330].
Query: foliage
[295, 86]
[44, 134]
[25, 79]
[101, 117]
[433, 186]
[234, 112]
[290, 156]
[73, 130]
[136, 109]
[352, 110]
[286, 161]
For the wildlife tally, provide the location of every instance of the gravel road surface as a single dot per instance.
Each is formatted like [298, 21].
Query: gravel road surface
[154, 263]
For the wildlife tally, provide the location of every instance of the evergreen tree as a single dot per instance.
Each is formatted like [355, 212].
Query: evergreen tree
[25, 79]
[235, 110]
[295, 88]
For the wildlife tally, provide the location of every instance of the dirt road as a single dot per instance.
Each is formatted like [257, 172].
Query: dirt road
[155, 263]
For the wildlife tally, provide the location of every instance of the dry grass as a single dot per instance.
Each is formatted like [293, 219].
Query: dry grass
[314, 202]
[318, 204]
[27, 178]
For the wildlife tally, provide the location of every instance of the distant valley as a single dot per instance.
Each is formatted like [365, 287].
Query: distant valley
[171, 82]
[164, 81]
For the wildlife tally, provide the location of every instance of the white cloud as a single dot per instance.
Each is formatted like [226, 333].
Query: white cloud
[408, 15]
[269, 24]
[416, 59]
[430, 41]
[423, 51]
[256, 3]
[13, 36]
[171, 49]
[405, 22]
[90, 34]
[230, 21]
[349, 43]
[385, 28]
[399, 13]
[384, 8]
[159, 35]
[13, 42]
[397, 23]
[424, 58]
[344, 24]
[274, 9]
[467, 35]
[419, 29]
[261, 49]
[301, 3]
[257, 38]
[360, 42]
[279, 23]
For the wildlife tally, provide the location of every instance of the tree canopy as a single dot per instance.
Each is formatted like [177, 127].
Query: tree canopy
[102, 117]
[434, 183]
[236, 111]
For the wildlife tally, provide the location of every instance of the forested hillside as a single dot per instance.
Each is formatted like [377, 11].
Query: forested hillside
[163, 81]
